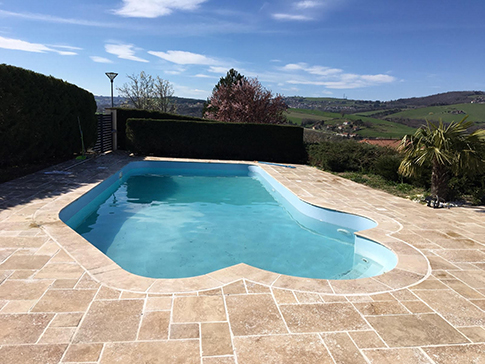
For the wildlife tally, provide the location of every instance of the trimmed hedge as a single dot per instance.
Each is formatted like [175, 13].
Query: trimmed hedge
[215, 140]
[122, 115]
[39, 117]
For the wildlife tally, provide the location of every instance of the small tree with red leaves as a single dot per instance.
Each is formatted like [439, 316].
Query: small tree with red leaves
[246, 101]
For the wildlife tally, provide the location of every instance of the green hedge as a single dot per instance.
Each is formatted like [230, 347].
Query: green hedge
[123, 114]
[39, 117]
[215, 140]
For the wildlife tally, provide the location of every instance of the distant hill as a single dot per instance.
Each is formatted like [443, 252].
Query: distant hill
[185, 106]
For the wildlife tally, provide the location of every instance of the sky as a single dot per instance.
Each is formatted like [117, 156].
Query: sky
[370, 50]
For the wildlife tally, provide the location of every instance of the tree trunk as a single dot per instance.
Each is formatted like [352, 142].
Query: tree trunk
[439, 181]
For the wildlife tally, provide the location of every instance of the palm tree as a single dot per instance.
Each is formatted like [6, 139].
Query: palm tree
[447, 149]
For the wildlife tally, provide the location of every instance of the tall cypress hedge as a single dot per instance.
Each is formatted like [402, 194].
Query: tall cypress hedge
[39, 117]
[123, 114]
[216, 140]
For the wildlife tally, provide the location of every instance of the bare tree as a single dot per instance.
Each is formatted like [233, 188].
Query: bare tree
[147, 93]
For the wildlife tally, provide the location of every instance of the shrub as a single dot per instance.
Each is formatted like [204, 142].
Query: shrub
[216, 140]
[122, 115]
[39, 117]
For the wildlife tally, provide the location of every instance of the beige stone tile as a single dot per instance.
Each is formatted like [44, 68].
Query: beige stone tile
[306, 297]
[479, 303]
[359, 298]
[415, 330]
[154, 326]
[303, 284]
[475, 334]
[463, 255]
[219, 360]
[22, 242]
[49, 248]
[5, 253]
[404, 295]
[158, 303]
[64, 300]
[21, 274]
[25, 262]
[281, 349]
[183, 285]
[474, 278]
[381, 308]
[64, 283]
[32, 354]
[110, 321]
[66, 320]
[22, 328]
[322, 317]
[342, 349]
[83, 353]
[417, 306]
[254, 315]
[23, 290]
[457, 354]
[155, 352]
[129, 295]
[62, 257]
[393, 356]
[367, 339]
[215, 339]
[106, 293]
[284, 296]
[86, 282]
[383, 297]
[429, 284]
[198, 309]
[211, 292]
[184, 331]
[253, 287]
[398, 278]
[333, 298]
[57, 335]
[235, 288]
[18, 306]
[454, 308]
[60, 271]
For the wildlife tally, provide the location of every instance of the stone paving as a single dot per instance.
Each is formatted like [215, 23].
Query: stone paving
[61, 300]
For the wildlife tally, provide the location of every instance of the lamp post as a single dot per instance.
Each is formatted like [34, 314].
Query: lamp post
[111, 76]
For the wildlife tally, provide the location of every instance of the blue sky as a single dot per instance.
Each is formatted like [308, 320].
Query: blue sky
[373, 49]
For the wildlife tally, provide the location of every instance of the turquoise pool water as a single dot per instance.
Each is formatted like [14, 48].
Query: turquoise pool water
[175, 220]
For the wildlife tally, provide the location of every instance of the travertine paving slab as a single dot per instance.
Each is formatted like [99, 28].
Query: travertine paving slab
[22, 328]
[23, 289]
[415, 330]
[83, 353]
[154, 326]
[198, 309]
[322, 317]
[110, 321]
[254, 315]
[342, 348]
[32, 354]
[25, 262]
[457, 354]
[216, 339]
[64, 300]
[156, 352]
[394, 356]
[281, 349]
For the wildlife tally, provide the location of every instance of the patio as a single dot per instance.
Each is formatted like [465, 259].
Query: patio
[61, 300]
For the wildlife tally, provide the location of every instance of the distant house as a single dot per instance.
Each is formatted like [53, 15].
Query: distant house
[389, 143]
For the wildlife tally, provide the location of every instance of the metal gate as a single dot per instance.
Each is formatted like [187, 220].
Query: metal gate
[104, 143]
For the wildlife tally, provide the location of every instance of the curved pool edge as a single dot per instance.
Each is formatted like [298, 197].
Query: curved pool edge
[411, 269]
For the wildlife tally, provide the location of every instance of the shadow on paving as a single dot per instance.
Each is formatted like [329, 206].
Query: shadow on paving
[60, 179]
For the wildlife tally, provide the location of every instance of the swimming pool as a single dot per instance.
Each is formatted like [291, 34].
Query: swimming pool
[181, 219]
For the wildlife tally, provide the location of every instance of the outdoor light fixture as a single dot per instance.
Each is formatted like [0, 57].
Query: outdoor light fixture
[111, 76]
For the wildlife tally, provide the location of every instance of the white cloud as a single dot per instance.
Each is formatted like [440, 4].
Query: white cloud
[200, 75]
[181, 57]
[21, 45]
[214, 69]
[124, 51]
[332, 78]
[101, 59]
[291, 17]
[307, 4]
[155, 8]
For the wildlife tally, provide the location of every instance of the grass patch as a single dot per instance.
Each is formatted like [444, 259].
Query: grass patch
[449, 113]
[380, 183]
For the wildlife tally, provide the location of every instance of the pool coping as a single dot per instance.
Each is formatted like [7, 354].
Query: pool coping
[412, 268]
